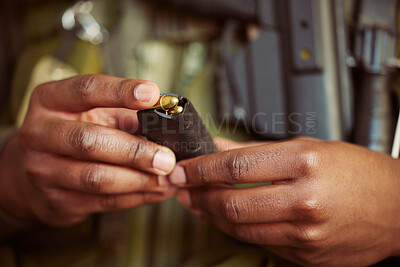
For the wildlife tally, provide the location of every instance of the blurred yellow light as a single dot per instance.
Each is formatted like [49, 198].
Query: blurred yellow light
[305, 54]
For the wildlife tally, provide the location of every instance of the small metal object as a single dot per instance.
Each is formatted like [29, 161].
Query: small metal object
[169, 104]
[176, 110]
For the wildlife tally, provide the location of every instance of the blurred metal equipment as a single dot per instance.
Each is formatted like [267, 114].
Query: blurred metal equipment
[78, 21]
[375, 42]
[79, 17]
[283, 70]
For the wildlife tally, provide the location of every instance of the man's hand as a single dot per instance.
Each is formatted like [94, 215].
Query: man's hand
[330, 203]
[74, 156]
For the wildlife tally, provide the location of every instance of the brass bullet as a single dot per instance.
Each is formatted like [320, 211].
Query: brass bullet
[166, 102]
[175, 110]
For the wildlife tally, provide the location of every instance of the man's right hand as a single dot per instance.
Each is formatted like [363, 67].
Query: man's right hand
[74, 156]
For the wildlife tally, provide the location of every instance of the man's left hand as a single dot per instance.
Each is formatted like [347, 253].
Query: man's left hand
[330, 203]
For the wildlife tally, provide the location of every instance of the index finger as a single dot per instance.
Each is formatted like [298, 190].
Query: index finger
[265, 163]
[84, 92]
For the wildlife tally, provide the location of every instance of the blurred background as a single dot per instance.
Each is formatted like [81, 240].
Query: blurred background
[274, 69]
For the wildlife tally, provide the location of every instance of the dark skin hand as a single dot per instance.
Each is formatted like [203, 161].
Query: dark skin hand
[330, 203]
[73, 155]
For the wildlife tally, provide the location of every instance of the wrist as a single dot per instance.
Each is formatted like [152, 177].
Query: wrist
[12, 202]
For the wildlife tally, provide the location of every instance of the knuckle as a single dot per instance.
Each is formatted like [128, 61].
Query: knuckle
[109, 202]
[202, 172]
[28, 135]
[242, 232]
[122, 86]
[93, 178]
[309, 158]
[35, 169]
[311, 210]
[230, 209]
[85, 86]
[135, 150]
[310, 162]
[238, 166]
[84, 139]
[53, 199]
[310, 237]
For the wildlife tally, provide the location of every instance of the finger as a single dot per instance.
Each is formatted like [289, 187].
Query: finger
[93, 177]
[76, 204]
[264, 204]
[275, 234]
[117, 118]
[224, 144]
[84, 92]
[98, 143]
[266, 163]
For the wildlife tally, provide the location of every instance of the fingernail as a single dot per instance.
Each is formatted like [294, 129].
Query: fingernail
[163, 181]
[184, 198]
[164, 161]
[178, 176]
[143, 92]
